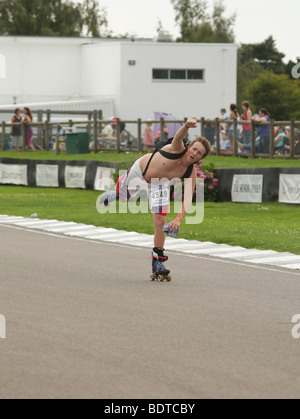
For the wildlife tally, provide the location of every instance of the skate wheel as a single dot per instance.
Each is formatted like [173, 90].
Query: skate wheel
[169, 278]
[152, 277]
[161, 278]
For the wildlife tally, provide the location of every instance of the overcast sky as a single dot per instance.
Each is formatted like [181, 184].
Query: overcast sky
[256, 20]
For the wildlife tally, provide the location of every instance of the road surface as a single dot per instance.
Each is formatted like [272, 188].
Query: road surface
[84, 321]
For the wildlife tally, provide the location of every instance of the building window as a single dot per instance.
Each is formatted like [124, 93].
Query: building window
[160, 74]
[195, 74]
[2, 67]
[177, 74]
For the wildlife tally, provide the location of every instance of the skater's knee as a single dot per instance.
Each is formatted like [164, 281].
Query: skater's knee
[159, 220]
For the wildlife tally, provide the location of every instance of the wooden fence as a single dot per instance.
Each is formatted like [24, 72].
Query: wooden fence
[93, 125]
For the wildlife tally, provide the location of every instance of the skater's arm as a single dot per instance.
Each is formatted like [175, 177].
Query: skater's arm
[188, 198]
[177, 143]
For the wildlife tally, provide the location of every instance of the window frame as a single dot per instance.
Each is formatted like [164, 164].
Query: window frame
[175, 80]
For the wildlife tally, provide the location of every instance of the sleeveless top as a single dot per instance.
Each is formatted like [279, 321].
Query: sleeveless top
[246, 127]
[17, 131]
[28, 127]
[170, 156]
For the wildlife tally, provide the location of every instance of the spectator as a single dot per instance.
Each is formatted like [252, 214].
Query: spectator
[233, 115]
[224, 141]
[210, 132]
[287, 143]
[264, 131]
[148, 140]
[247, 116]
[297, 141]
[224, 117]
[28, 128]
[166, 134]
[16, 131]
[279, 140]
[106, 137]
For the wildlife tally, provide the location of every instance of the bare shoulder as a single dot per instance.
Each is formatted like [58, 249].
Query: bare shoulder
[169, 148]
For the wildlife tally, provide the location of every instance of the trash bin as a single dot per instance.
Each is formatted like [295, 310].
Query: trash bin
[78, 143]
[8, 145]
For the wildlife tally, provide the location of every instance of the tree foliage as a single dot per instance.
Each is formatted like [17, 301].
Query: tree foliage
[51, 18]
[278, 93]
[255, 59]
[197, 25]
[265, 53]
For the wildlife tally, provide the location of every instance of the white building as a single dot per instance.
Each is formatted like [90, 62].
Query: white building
[130, 79]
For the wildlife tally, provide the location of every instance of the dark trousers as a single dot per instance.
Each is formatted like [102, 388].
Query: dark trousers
[264, 145]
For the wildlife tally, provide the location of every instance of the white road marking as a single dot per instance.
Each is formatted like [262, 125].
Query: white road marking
[175, 253]
[189, 248]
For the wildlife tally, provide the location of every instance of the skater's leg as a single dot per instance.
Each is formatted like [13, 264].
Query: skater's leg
[159, 235]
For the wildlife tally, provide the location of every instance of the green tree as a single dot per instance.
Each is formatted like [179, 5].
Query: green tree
[254, 59]
[265, 53]
[197, 25]
[51, 18]
[278, 93]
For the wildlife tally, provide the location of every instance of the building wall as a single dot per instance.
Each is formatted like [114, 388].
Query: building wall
[55, 69]
[101, 71]
[38, 71]
[140, 95]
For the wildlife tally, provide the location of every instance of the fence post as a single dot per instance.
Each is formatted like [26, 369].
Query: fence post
[3, 137]
[23, 137]
[47, 135]
[235, 138]
[202, 127]
[292, 139]
[57, 146]
[118, 136]
[253, 139]
[89, 130]
[162, 123]
[218, 146]
[40, 129]
[139, 135]
[272, 139]
[49, 127]
[95, 132]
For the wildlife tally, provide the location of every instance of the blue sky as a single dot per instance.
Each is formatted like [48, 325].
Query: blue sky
[256, 20]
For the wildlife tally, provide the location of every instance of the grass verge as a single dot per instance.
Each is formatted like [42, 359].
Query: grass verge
[220, 162]
[263, 226]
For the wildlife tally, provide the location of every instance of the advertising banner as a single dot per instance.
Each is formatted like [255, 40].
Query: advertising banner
[13, 174]
[104, 179]
[47, 176]
[75, 176]
[247, 188]
[289, 189]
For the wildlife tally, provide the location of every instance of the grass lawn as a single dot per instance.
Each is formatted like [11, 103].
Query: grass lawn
[264, 226]
[219, 162]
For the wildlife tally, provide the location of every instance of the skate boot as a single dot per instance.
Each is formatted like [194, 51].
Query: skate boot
[160, 272]
[108, 197]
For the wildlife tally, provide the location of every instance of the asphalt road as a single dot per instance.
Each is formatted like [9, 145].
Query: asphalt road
[84, 321]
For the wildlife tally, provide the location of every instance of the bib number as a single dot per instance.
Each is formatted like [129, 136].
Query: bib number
[159, 196]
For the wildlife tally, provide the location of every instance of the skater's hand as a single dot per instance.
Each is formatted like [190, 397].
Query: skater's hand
[191, 123]
[174, 226]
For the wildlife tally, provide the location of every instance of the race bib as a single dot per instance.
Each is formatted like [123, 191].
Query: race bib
[159, 196]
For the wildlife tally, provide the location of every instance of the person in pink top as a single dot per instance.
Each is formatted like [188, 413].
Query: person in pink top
[148, 140]
[247, 116]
